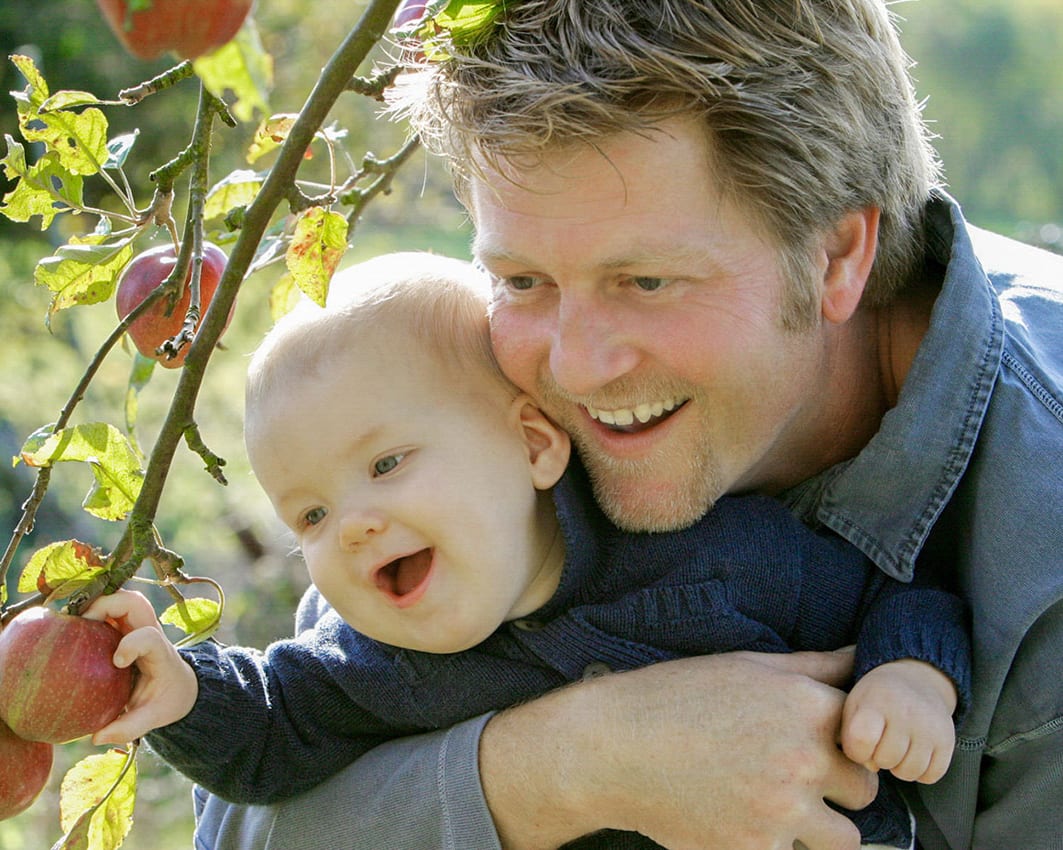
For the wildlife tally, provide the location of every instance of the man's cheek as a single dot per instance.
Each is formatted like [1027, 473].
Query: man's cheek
[520, 346]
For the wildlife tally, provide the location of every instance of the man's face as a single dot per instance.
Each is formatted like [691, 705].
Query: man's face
[643, 311]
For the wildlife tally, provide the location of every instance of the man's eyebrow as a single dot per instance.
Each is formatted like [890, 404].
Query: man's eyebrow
[634, 256]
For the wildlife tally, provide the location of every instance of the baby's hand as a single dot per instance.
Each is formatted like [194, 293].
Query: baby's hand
[166, 687]
[899, 718]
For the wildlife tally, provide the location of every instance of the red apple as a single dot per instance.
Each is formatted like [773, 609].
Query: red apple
[190, 28]
[57, 679]
[145, 272]
[24, 769]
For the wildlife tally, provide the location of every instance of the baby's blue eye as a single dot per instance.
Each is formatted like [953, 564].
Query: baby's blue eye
[314, 516]
[387, 464]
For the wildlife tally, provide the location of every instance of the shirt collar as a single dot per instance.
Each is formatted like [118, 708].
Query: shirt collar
[887, 498]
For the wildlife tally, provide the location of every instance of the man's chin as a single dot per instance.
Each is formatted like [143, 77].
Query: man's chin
[641, 509]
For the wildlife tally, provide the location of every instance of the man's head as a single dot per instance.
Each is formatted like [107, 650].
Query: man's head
[682, 205]
[409, 469]
[807, 104]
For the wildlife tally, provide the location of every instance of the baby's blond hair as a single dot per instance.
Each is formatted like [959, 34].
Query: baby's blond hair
[425, 302]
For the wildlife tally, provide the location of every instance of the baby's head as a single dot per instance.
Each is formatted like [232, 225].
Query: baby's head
[411, 471]
[414, 302]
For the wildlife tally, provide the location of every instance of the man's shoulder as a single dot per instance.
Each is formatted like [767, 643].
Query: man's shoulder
[1011, 263]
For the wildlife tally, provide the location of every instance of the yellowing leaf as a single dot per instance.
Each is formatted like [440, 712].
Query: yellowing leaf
[283, 297]
[44, 188]
[82, 274]
[79, 139]
[270, 135]
[317, 246]
[243, 67]
[61, 568]
[113, 460]
[139, 377]
[96, 801]
[237, 189]
[198, 618]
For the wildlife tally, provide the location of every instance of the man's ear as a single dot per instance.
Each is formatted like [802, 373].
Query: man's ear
[547, 445]
[850, 251]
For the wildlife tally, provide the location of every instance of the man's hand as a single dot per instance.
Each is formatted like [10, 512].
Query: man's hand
[732, 751]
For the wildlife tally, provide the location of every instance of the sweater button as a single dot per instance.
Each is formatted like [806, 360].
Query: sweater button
[595, 670]
[526, 625]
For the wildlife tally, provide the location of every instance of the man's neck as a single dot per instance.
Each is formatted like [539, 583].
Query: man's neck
[867, 362]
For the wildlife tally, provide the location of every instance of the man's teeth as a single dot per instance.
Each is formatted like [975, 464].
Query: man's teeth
[627, 415]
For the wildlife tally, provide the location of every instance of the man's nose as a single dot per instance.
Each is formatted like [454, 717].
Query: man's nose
[358, 525]
[590, 347]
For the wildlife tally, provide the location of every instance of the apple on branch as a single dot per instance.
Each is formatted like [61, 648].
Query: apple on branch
[24, 770]
[143, 274]
[58, 681]
[189, 28]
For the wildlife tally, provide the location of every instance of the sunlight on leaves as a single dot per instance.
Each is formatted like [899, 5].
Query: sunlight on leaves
[243, 67]
[61, 568]
[79, 139]
[283, 297]
[96, 802]
[45, 188]
[82, 274]
[317, 246]
[114, 462]
[238, 189]
[198, 618]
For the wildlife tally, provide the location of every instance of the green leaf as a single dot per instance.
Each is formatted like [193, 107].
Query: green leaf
[459, 23]
[37, 92]
[114, 462]
[237, 189]
[45, 188]
[67, 99]
[78, 139]
[317, 246]
[139, 377]
[61, 568]
[96, 801]
[283, 297]
[270, 135]
[82, 273]
[243, 67]
[198, 618]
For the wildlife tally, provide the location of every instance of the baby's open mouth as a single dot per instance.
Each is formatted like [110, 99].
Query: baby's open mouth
[404, 575]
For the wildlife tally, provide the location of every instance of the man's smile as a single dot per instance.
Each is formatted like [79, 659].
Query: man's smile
[636, 419]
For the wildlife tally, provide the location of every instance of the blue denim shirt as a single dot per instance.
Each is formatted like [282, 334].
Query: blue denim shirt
[970, 463]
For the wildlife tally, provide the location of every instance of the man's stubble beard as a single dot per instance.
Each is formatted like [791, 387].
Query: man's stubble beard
[685, 479]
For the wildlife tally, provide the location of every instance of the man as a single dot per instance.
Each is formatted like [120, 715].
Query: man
[723, 263]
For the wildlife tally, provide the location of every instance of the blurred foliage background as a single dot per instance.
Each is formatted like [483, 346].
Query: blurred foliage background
[988, 69]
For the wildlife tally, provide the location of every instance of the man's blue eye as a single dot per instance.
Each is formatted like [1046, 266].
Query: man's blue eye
[649, 284]
[520, 283]
[314, 516]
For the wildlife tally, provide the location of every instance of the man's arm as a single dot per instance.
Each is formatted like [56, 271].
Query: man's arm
[727, 751]
[735, 751]
[419, 792]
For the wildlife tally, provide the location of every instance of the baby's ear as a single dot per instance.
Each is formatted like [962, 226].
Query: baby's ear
[548, 446]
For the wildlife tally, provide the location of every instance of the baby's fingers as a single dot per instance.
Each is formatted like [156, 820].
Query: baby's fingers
[924, 762]
[862, 730]
[127, 608]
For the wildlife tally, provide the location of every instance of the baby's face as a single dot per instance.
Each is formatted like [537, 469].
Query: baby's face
[410, 495]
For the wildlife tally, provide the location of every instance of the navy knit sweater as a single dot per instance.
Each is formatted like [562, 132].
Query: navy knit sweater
[748, 576]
